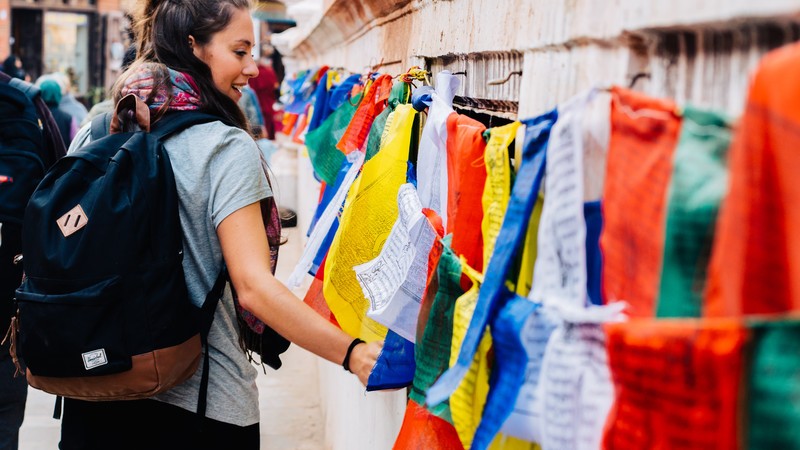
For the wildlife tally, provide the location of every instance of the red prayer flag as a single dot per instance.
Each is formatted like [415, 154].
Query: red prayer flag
[677, 384]
[466, 178]
[316, 299]
[755, 263]
[372, 104]
[423, 430]
[644, 135]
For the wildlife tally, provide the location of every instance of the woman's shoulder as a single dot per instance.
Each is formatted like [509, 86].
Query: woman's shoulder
[213, 139]
[214, 133]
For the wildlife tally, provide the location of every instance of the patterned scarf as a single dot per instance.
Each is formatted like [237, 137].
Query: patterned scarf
[185, 93]
[186, 97]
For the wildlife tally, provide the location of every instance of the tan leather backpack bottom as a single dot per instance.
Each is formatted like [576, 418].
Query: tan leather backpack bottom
[152, 373]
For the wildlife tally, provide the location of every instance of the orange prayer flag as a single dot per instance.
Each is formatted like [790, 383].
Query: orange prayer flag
[644, 135]
[302, 123]
[423, 430]
[677, 384]
[316, 299]
[466, 178]
[289, 120]
[755, 263]
[373, 103]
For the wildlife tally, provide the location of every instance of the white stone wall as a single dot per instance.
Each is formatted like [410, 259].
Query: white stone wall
[567, 45]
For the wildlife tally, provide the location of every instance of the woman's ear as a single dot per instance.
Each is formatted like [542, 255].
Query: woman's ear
[195, 47]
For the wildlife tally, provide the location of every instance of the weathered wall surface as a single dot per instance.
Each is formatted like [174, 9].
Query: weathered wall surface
[566, 45]
[698, 51]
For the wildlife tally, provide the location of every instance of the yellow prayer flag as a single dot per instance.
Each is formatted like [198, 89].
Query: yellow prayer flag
[497, 190]
[369, 213]
[468, 400]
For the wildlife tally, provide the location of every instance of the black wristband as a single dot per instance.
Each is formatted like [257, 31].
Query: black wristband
[346, 362]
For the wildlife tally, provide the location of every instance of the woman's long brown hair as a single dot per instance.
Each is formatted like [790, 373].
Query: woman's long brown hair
[162, 29]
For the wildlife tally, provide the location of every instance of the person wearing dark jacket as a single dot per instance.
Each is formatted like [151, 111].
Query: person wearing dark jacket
[51, 94]
[14, 389]
[12, 66]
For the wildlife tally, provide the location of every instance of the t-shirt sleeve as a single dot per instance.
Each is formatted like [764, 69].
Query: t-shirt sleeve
[237, 179]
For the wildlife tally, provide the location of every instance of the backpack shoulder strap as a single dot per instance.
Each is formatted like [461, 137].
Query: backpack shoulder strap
[101, 124]
[179, 121]
[31, 91]
[165, 127]
[206, 317]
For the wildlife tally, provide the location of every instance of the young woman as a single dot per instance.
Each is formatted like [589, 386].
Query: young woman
[196, 55]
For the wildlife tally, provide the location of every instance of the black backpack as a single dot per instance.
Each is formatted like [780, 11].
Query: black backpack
[268, 344]
[104, 313]
[29, 144]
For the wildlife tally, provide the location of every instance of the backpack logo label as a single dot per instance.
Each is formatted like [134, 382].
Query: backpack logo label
[72, 221]
[94, 358]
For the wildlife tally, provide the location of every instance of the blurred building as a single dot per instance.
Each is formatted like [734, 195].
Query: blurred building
[87, 38]
[273, 15]
[84, 38]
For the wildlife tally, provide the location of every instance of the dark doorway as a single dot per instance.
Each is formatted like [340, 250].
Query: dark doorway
[26, 32]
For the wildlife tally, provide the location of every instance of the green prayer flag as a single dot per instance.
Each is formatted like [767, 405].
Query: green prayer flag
[321, 142]
[699, 182]
[375, 133]
[773, 408]
[432, 352]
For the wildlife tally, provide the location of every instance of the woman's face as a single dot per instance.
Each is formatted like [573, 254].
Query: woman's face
[229, 56]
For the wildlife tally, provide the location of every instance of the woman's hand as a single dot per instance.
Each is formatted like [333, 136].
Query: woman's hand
[363, 359]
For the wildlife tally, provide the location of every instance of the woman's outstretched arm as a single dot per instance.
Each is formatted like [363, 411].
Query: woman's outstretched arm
[246, 252]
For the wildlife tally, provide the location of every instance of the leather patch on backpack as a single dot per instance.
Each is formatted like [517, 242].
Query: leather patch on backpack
[72, 221]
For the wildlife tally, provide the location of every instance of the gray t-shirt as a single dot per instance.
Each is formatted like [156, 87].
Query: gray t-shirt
[217, 171]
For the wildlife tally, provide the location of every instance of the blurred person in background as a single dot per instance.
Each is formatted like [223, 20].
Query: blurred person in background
[69, 104]
[67, 124]
[107, 105]
[280, 72]
[13, 386]
[252, 110]
[12, 66]
[277, 66]
[265, 84]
